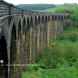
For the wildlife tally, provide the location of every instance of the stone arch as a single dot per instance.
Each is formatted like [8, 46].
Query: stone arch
[13, 51]
[31, 20]
[58, 17]
[19, 29]
[13, 44]
[62, 18]
[27, 39]
[24, 24]
[53, 18]
[42, 19]
[28, 23]
[48, 18]
[3, 58]
[45, 18]
[38, 19]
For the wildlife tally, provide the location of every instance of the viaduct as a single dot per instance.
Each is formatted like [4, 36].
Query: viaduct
[23, 35]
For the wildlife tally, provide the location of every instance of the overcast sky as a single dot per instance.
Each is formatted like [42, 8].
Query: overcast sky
[16, 2]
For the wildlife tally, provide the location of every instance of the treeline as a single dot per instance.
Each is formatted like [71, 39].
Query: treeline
[72, 9]
[36, 7]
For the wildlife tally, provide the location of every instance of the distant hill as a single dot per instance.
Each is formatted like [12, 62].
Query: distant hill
[36, 7]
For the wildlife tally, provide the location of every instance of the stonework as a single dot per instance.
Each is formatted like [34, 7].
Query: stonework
[26, 34]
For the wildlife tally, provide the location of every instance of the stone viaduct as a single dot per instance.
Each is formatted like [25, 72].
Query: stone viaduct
[23, 35]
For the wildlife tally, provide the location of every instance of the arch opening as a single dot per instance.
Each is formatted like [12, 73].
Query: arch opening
[3, 58]
[24, 24]
[28, 24]
[13, 51]
[42, 19]
[31, 22]
[19, 30]
[13, 45]
[38, 19]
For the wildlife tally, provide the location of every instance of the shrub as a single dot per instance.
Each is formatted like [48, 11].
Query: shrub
[63, 53]
[31, 67]
[69, 72]
[71, 36]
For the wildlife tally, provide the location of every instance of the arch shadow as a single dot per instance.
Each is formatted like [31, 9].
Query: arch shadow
[13, 51]
[3, 58]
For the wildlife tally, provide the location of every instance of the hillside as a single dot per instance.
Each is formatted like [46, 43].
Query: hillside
[36, 7]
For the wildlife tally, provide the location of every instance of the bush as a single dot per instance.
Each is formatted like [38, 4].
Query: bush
[31, 67]
[69, 72]
[49, 58]
[71, 36]
[62, 53]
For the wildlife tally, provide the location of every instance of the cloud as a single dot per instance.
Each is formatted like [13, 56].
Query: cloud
[41, 1]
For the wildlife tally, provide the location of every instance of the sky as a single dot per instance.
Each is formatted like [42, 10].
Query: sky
[16, 2]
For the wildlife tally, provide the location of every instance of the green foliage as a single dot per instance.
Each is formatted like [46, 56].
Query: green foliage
[62, 53]
[71, 36]
[72, 9]
[69, 72]
[31, 67]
